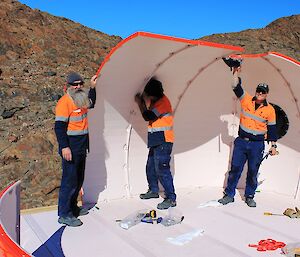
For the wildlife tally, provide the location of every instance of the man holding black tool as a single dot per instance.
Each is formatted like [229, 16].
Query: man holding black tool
[257, 124]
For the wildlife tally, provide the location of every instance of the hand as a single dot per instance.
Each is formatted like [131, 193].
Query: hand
[67, 154]
[138, 98]
[236, 70]
[94, 81]
[273, 151]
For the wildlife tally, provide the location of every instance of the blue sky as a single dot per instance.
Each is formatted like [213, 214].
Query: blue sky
[179, 18]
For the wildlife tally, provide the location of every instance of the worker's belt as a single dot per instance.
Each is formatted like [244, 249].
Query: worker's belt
[248, 139]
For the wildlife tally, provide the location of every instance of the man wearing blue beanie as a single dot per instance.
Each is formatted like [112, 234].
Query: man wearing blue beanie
[71, 129]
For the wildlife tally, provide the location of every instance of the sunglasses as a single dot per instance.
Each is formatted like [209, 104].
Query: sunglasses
[76, 84]
[261, 91]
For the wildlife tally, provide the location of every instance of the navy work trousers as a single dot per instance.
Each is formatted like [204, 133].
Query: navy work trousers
[251, 151]
[158, 169]
[71, 183]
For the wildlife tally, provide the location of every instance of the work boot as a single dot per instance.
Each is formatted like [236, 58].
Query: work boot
[70, 221]
[226, 199]
[80, 211]
[166, 204]
[149, 195]
[250, 202]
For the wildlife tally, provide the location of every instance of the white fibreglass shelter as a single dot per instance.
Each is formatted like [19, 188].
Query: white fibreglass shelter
[206, 111]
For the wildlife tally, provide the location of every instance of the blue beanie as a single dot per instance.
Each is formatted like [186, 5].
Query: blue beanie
[73, 76]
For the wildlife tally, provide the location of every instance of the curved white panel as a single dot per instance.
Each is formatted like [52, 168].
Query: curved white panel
[206, 115]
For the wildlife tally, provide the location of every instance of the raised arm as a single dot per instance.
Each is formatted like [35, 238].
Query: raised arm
[147, 114]
[236, 83]
[92, 92]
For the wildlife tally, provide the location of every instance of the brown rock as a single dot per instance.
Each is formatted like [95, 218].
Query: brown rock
[12, 138]
[11, 55]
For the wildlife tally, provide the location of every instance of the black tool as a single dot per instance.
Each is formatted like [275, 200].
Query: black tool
[265, 157]
[232, 63]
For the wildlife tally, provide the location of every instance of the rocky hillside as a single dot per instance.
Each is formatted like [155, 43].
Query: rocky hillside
[37, 50]
[282, 35]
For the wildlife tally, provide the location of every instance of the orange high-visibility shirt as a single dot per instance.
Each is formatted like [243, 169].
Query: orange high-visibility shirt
[76, 118]
[255, 121]
[161, 129]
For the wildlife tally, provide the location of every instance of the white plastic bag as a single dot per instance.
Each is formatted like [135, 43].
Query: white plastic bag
[211, 203]
[132, 219]
[185, 238]
[174, 217]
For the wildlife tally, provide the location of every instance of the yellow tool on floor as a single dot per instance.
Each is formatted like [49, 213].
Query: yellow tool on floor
[274, 214]
[289, 212]
[151, 217]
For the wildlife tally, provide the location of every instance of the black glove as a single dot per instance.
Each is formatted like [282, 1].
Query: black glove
[232, 62]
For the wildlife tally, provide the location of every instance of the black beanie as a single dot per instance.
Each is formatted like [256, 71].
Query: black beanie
[154, 88]
[263, 87]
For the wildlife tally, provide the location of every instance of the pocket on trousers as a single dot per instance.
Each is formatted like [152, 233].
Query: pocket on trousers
[164, 163]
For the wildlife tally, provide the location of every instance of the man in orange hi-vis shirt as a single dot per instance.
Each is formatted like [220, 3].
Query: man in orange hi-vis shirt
[160, 141]
[257, 124]
[71, 129]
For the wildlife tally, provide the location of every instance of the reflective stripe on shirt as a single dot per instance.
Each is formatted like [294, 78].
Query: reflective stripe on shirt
[151, 130]
[252, 116]
[78, 118]
[77, 132]
[60, 118]
[252, 131]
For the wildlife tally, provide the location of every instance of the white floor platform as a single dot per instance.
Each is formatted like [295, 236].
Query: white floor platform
[227, 229]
